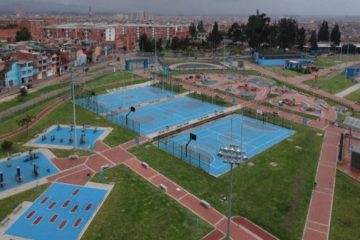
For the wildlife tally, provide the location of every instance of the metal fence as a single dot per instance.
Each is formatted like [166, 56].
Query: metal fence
[93, 105]
[192, 155]
[268, 117]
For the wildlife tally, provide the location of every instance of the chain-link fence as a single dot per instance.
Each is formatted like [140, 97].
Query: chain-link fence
[93, 105]
[267, 118]
[190, 154]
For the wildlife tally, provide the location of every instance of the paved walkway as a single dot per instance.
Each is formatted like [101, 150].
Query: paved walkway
[78, 171]
[348, 90]
[298, 81]
[319, 214]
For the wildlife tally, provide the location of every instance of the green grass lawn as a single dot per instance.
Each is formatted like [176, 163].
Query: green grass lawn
[137, 210]
[283, 72]
[328, 61]
[63, 114]
[276, 198]
[354, 96]
[10, 124]
[334, 84]
[345, 221]
[106, 79]
[111, 78]
[8, 204]
[21, 99]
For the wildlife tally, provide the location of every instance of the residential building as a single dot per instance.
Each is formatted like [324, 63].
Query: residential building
[20, 73]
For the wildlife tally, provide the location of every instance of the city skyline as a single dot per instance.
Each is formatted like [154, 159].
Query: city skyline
[186, 7]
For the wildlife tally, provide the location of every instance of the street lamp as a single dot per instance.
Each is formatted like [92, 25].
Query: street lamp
[233, 155]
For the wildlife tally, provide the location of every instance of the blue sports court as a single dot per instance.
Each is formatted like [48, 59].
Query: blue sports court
[61, 212]
[256, 137]
[129, 97]
[26, 163]
[176, 111]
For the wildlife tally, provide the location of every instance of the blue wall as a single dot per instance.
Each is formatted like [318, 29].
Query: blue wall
[20, 73]
[352, 71]
[137, 63]
[277, 62]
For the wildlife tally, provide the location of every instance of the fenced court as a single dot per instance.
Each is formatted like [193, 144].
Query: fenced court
[254, 135]
[123, 99]
[61, 212]
[176, 111]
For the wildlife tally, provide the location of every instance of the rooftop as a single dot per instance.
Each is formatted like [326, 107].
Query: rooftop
[89, 25]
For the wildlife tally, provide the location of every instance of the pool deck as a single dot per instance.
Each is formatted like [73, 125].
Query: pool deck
[32, 184]
[33, 141]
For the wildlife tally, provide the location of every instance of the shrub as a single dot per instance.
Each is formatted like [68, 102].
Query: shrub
[6, 145]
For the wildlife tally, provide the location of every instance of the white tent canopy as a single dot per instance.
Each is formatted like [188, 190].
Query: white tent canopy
[352, 123]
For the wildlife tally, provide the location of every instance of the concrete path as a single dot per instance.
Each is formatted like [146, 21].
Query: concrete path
[298, 82]
[348, 90]
[318, 220]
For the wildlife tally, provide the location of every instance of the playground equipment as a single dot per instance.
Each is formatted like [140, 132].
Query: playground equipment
[1, 179]
[18, 175]
[247, 87]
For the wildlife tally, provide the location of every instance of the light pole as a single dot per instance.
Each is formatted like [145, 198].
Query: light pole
[74, 111]
[233, 155]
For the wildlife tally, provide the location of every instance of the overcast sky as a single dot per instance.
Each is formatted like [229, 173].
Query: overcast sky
[203, 7]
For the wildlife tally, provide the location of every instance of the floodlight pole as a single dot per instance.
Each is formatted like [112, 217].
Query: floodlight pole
[74, 108]
[231, 155]
[229, 202]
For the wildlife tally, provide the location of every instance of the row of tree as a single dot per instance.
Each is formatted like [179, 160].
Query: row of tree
[285, 33]
[148, 45]
[259, 32]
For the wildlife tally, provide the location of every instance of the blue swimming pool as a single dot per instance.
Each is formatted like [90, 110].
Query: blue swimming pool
[63, 136]
[254, 135]
[60, 213]
[9, 169]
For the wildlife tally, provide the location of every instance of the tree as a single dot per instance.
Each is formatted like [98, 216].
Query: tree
[142, 42]
[6, 145]
[25, 122]
[23, 35]
[323, 34]
[287, 32]
[272, 35]
[23, 91]
[301, 38]
[335, 35]
[313, 40]
[215, 37]
[192, 30]
[145, 44]
[234, 33]
[200, 27]
[168, 44]
[175, 43]
[159, 44]
[257, 29]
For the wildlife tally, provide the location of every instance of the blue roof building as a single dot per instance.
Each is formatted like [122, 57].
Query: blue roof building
[20, 73]
[280, 59]
[352, 71]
